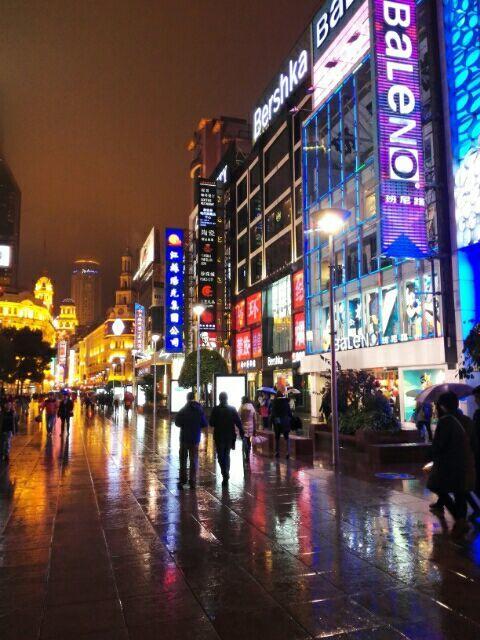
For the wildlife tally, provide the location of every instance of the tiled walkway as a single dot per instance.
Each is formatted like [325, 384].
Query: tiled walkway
[98, 543]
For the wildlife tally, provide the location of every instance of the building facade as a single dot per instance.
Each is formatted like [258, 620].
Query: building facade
[86, 291]
[10, 198]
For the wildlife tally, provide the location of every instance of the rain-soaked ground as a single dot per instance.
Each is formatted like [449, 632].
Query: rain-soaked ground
[97, 542]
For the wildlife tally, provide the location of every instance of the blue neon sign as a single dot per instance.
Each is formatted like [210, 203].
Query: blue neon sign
[174, 290]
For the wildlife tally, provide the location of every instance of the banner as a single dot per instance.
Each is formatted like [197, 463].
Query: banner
[174, 290]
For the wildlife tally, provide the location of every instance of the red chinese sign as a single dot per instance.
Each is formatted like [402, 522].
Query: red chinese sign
[239, 315]
[254, 308]
[243, 345]
[299, 331]
[257, 343]
[298, 290]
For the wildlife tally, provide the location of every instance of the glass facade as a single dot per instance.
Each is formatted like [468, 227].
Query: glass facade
[377, 300]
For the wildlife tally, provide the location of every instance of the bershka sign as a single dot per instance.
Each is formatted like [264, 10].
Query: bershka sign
[326, 21]
[398, 113]
[292, 73]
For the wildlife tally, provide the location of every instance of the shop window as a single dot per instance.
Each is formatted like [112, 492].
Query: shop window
[242, 274]
[256, 268]
[349, 201]
[371, 311]
[242, 245]
[339, 267]
[369, 254]
[341, 319]
[324, 274]
[364, 113]
[279, 253]
[335, 142]
[315, 272]
[254, 176]
[278, 323]
[352, 261]
[355, 316]
[348, 128]
[256, 235]
[277, 184]
[255, 206]
[277, 151]
[322, 125]
[390, 317]
[278, 218]
[412, 320]
[242, 218]
[242, 190]
[298, 201]
[325, 329]
[299, 240]
[310, 157]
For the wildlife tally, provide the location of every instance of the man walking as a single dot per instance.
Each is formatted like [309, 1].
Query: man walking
[191, 419]
[50, 405]
[224, 419]
[8, 426]
[65, 411]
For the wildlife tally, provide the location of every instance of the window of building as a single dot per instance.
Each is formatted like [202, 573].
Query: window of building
[277, 151]
[242, 247]
[364, 113]
[299, 240]
[348, 128]
[278, 218]
[369, 254]
[352, 261]
[255, 206]
[339, 267]
[367, 193]
[256, 235]
[298, 201]
[355, 323]
[242, 190]
[298, 163]
[390, 316]
[278, 323]
[242, 218]
[242, 275]
[279, 253]
[256, 268]
[277, 184]
[335, 142]
[254, 176]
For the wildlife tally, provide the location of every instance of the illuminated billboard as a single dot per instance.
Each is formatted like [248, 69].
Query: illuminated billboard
[207, 251]
[254, 308]
[147, 255]
[174, 290]
[243, 345]
[239, 315]
[139, 327]
[399, 129]
[5, 256]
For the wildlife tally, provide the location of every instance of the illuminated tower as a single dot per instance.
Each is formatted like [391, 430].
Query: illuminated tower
[86, 291]
[66, 322]
[43, 291]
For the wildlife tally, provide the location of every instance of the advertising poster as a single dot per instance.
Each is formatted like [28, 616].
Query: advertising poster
[299, 331]
[298, 298]
[207, 250]
[239, 315]
[235, 386]
[257, 343]
[243, 345]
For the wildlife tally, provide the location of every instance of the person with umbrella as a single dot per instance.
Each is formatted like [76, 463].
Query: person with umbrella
[264, 405]
[452, 470]
[282, 421]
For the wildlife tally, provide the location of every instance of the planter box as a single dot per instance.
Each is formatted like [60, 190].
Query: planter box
[404, 452]
[366, 438]
[300, 446]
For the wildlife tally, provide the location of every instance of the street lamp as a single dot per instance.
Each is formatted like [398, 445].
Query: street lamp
[331, 222]
[198, 309]
[122, 371]
[155, 339]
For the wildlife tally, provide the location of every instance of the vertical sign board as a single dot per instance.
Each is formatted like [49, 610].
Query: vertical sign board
[395, 74]
[139, 328]
[174, 290]
[207, 251]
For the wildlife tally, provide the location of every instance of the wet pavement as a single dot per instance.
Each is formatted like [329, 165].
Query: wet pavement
[97, 542]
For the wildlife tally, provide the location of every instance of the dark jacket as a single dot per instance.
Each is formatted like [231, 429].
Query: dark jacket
[8, 421]
[281, 413]
[224, 419]
[191, 419]
[452, 457]
[65, 408]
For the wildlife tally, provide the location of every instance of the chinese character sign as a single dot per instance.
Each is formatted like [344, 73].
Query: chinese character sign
[174, 290]
[257, 343]
[398, 112]
[254, 308]
[62, 352]
[207, 249]
[139, 327]
[298, 290]
[299, 331]
[243, 345]
[239, 315]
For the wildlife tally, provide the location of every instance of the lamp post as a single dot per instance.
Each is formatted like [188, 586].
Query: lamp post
[155, 339]
[331, 222]
[122, 372]
[198, 309]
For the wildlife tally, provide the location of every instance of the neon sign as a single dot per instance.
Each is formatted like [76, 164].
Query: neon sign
[400, 147]
[174, 290]
[207, 251]
[139, 327]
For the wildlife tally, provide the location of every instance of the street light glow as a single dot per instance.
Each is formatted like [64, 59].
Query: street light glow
[198, 309]
[155, 338]
[331, 221]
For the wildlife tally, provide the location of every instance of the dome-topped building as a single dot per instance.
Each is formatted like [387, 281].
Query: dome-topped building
[43, 291]
[66, 322]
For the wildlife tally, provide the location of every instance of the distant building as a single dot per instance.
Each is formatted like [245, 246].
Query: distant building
[86, 291]
[9, 228]
[23, 310]
[43, 291]
[66, 322]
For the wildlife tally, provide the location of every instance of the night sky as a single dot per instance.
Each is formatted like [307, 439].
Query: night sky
[98, 100]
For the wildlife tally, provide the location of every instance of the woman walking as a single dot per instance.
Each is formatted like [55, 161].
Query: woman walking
[248, 416]
[282, 421]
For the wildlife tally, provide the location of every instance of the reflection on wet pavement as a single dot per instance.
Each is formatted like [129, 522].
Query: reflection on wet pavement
[98, 542]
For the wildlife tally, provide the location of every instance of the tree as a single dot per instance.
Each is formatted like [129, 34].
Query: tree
[211, 362]
[471, 354]
[27, 356]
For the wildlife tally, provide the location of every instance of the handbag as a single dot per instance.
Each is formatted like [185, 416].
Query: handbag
[38, 418]
[257, 439]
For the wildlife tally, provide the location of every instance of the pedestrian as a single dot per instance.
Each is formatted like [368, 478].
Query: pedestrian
[8, 424]
[65, 412]
[191, 419]
[423, 419]
[50, 406]
[476, 427]
[452, 470]
[224, 419]
[248, 416]
[264, 409]
[282, 421]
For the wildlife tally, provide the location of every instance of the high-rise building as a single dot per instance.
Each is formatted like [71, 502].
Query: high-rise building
[86, 291]
[9, 228]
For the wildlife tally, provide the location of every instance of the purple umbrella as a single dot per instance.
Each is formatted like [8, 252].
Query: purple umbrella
[435, 391]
